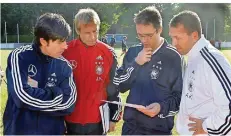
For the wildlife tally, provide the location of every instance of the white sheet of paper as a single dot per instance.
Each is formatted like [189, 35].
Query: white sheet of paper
[105, 116]
[126, 104]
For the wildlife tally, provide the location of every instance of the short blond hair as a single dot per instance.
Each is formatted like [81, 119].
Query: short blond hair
[86, 16]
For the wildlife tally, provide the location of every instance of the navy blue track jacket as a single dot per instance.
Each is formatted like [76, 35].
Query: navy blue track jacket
[37, 106]
[159, 80]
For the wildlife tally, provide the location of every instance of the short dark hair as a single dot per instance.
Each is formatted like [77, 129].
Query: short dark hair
[149, 15]
[189, 19]
[51, 26]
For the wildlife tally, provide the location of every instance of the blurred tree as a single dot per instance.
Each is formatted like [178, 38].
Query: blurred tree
[208, 12]
[115, 18]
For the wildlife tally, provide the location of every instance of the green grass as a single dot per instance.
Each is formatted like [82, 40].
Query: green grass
[3, 94]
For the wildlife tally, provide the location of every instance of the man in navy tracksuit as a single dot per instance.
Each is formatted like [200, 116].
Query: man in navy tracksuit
[40, 82]
[152, 72]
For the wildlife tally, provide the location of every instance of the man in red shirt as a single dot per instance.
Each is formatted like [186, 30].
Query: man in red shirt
[94, 64]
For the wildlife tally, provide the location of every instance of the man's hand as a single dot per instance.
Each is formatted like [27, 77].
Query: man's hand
[144, 56]
[151, 110]
[196, 126]
[112, 126]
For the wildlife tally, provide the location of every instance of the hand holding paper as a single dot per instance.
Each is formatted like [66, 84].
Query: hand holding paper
[151, 110]
[126, 104]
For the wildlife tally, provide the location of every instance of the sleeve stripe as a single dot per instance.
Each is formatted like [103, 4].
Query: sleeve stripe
[71, 100]
[123, 78]
[222, 77]
[63, 59]
[128, 71]
[73, 94]
[113, 52]
[119, 110]
[21, 93]
[169, 115]
[173, 49]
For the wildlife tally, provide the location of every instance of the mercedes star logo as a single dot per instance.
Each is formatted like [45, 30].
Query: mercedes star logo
[73, 64]
[32, 71]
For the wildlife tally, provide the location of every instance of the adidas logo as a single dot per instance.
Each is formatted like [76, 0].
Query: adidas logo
[99, 57]
[159, 62]
[53, 74]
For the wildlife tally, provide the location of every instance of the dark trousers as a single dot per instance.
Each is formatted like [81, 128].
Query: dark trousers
[87, 129]
[131, 129]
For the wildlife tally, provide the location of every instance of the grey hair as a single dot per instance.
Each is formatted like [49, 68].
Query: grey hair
[149, 15]
[86, 16]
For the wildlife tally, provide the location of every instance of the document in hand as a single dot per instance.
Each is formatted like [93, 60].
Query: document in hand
[105, 116]
[126, 104]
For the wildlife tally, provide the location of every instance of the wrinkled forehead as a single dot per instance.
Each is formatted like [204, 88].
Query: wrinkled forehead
[178, 30]
[84, 26]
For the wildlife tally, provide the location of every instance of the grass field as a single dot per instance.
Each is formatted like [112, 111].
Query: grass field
[3, 94]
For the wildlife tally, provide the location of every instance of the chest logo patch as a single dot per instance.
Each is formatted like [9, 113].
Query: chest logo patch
[73, 64]
[51, 80]
[190, 86]
[99, 70]
[99, 57]
[155, 73]
[32, 70]
[156, 70]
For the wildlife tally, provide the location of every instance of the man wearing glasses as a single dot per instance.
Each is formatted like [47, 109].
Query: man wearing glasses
[152, 72]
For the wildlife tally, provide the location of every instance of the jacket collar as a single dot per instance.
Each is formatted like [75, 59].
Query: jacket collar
[163, 43]
[201, 43]
[44, 58]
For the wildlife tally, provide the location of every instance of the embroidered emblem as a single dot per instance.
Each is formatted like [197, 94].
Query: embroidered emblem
[73, 64]
[51, 80]
[156, 70]
[155, 73]
[190, 86]
[99, 69]
[32, 70]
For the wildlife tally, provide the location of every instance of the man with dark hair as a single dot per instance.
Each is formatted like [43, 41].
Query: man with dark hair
[40, 82]
[219, 44]
[152, 72]
[113, 41]
[94, 64]
[206, 99]
[104, 39]
[124, 45]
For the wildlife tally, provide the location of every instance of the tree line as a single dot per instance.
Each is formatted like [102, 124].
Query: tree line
[115, 18]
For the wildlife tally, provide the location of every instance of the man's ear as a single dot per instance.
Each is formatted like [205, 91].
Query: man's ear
[159, 31]
[43, 42]
[195, 35]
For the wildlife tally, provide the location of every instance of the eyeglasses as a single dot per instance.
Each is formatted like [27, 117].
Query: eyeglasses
[147, 36]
